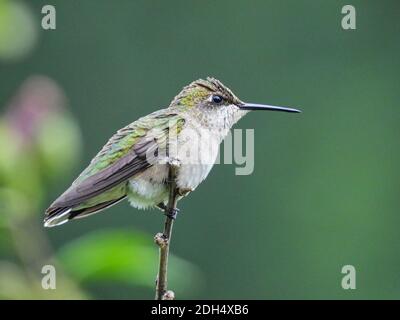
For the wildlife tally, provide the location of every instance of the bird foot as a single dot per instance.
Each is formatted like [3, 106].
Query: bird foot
[171, 212]
[161, 206]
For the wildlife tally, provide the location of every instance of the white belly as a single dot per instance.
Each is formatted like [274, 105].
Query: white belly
[190, 176]
[197, 153]
[148, 188]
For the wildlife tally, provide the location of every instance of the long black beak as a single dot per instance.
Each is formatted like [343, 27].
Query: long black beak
[255, 106]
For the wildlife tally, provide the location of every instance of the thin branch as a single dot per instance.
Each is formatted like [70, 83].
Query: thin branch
[163, 240]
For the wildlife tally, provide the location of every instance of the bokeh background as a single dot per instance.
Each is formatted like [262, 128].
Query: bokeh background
[325, 189]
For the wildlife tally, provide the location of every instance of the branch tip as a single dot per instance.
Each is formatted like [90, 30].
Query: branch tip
[169, 295]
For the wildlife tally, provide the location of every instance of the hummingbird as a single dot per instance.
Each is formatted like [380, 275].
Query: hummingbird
[133, 164]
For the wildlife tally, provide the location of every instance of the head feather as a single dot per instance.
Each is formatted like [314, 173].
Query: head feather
[200, 89]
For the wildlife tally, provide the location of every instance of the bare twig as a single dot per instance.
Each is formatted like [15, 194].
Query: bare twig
[163, 240]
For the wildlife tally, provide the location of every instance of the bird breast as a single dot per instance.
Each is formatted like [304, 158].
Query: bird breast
[197, 151]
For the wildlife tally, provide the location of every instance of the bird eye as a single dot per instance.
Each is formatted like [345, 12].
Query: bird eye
[217, 99]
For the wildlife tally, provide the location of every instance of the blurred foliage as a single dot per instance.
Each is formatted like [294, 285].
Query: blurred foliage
[29, 161]
[45, 140]
[124, 256]
[18, 30]
[324, 192]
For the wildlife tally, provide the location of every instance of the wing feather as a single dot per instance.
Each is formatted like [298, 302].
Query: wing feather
[124, 156]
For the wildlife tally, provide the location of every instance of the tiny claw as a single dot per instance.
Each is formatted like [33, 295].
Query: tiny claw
[172, 213]
[161, 206]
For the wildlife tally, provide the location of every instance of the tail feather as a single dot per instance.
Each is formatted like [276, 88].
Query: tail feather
[56, 216]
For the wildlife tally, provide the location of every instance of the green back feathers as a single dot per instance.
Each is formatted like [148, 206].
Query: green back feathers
[153, 126]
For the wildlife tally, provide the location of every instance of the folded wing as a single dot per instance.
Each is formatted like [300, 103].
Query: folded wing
[103, 183]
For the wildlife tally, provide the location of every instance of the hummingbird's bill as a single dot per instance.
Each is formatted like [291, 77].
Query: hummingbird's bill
[256, 106]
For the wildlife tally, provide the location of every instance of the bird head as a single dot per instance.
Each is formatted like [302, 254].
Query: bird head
[212, 98]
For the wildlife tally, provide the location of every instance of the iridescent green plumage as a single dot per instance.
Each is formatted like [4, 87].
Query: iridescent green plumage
[126, 138]
[105, 180]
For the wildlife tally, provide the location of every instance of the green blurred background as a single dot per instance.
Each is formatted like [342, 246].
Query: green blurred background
[324, 192]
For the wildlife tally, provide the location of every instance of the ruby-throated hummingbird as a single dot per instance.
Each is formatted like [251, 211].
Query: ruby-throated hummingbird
[134, 162]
